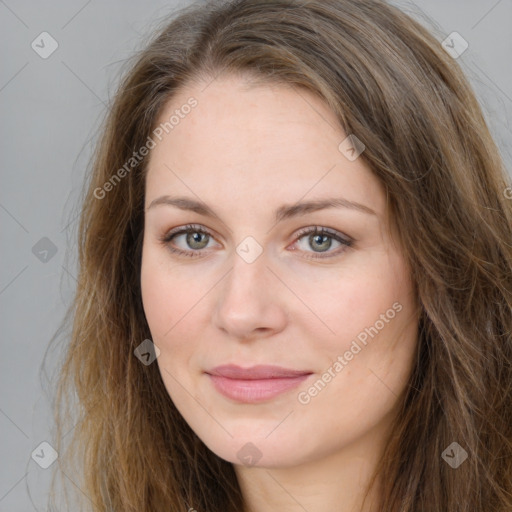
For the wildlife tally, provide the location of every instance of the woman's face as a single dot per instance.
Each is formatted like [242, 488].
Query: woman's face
[329, 318]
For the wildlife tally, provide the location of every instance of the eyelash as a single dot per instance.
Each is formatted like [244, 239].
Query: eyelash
[316, 230]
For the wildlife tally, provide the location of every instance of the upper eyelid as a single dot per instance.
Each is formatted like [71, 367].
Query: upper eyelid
[184, 229]
[324, 230]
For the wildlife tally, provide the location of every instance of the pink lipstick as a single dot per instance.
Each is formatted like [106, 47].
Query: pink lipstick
[255, 384]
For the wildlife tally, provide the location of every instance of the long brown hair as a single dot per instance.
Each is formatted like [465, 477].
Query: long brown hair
[389, 82]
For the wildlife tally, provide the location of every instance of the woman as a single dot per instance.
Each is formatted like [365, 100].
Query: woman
[295, 281]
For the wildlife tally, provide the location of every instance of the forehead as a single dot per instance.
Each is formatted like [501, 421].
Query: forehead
[255, 142]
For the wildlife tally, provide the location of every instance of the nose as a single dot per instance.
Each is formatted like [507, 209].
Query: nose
[249, 303]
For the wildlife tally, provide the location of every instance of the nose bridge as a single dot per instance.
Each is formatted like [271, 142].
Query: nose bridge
[248, 299]
[249, 261]
[245, 281]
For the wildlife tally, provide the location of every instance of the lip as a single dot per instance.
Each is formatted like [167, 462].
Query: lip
[255, 384]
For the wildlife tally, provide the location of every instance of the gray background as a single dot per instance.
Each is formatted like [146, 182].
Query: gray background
[51, 111]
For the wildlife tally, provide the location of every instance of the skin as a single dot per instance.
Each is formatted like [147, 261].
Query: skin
[245, 151]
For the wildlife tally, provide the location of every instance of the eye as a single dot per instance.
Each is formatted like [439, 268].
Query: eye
[321, 240]
[194, 238]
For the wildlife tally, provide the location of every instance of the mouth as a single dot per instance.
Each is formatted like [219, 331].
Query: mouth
[255, 384]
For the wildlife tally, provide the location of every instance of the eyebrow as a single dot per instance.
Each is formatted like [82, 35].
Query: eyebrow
[282, 213]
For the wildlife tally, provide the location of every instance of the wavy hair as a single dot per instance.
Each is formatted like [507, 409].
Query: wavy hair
[389, 82]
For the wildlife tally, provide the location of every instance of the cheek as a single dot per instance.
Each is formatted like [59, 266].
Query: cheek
[370, 296]
[375, 322]
[156, 299]
[175, 313]
[166, 293]
[165, 306]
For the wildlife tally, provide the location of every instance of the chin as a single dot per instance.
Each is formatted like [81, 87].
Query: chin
[256, 451]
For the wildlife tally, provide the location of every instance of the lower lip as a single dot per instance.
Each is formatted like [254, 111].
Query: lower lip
[254, 391]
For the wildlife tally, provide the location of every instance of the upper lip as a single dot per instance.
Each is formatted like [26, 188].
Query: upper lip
[232, 371]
